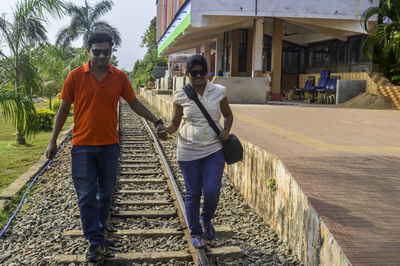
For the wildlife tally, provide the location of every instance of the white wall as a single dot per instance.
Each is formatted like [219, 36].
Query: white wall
[244, 90]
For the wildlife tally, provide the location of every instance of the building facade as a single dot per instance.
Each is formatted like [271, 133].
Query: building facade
[285, 38]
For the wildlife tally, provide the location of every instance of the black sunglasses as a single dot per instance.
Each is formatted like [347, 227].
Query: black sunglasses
[195, 73]
[97, 52]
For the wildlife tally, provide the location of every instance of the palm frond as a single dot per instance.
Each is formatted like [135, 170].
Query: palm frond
[6, 33]
[18, 109]
[29, 76]
[104, 26]
[100, 9]
[65, 36]
[368, 14]
[85, 20]
[10, 66]
[40, 8]
[368, 46]
[391, 29]
[32, 30]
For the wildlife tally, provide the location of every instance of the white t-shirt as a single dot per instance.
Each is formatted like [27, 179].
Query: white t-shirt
[196, 139]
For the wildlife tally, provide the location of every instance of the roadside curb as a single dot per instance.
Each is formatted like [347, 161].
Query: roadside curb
[7, 195]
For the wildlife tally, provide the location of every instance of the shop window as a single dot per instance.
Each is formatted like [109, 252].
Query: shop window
[363, 59]
[226, 67]
[310, 56]
[267, 53]
[341, 52]
[329, 51]
[336, 52]
[302, 60]
[317, 54]
[353, 50]
[290, 62]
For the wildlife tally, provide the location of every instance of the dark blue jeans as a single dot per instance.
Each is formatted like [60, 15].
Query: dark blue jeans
[202, 175]
[94, 172]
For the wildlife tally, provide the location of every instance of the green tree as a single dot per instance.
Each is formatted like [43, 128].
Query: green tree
[21, 34]
[16, 107]
[54, 64]
[143, 69]
[383, 45]
[87, 19]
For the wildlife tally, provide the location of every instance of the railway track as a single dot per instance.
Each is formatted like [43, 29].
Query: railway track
[146, 226]
[148, 219]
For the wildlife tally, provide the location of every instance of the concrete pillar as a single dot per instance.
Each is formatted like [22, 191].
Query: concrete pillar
[276, 64]
[258, 44]
[234, 53]
[219, 53]
[207, 55]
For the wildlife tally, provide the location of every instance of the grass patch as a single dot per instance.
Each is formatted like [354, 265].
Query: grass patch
[19, 158]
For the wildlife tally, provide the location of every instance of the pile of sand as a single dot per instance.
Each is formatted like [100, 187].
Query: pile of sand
[368, 101]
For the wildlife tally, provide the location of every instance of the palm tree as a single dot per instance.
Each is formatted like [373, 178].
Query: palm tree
[17, 108]
[87, 19]
[383, 43]
[20, 35]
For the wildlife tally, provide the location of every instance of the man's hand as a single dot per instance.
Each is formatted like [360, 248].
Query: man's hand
[51, 150]
[162, 132]
[223, 135]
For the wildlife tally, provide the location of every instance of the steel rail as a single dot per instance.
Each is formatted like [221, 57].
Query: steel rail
[202, 258]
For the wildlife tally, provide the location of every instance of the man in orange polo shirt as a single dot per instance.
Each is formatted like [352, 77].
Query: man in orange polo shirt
[95, 89]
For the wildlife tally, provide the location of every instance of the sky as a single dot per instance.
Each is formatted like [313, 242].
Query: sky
[130, 17]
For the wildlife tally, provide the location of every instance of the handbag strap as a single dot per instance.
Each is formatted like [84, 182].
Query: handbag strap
[192, 95]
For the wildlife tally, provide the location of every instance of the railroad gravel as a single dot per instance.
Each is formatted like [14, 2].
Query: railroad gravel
[259, 242]
[36, 234]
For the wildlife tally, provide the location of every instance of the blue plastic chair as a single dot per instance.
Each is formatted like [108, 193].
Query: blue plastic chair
[309, 83]
[322, 83]
[330, 85]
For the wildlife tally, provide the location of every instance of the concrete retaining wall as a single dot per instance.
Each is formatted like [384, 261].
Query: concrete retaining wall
[245, 90]
[163, 105]
[180, 82]
[285, 208]
[347, 89]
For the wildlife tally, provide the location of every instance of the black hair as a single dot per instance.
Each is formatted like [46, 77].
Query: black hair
[194, 60]
[98, 37]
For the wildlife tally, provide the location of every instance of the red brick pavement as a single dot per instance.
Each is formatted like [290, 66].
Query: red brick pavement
[347, 163]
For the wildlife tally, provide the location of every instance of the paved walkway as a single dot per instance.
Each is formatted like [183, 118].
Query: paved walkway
[347, 162]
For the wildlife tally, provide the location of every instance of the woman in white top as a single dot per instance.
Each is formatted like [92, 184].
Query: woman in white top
[200, 154]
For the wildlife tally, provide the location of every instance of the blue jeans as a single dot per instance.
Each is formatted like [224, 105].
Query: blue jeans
[202, 175]
[94, 172]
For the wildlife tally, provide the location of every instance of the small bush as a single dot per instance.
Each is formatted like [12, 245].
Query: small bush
[44, 118]
[55, 104]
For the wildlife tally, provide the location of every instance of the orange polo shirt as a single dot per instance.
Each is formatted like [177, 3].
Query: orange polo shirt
[95, 104]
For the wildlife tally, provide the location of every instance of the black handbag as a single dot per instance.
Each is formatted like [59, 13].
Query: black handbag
[233, 150]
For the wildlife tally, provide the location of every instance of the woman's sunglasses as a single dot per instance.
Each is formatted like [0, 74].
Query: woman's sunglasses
[195, 73]
[97, 52]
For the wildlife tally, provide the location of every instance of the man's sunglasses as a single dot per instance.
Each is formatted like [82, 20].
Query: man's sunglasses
[97, 52]
[195, 73]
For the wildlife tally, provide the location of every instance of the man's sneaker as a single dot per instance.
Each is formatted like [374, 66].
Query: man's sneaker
[208, 229]
[94, 253]
[197, 241]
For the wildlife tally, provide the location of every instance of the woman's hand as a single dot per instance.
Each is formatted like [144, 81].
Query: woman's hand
[223, 135]
[162, 132]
